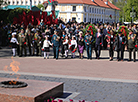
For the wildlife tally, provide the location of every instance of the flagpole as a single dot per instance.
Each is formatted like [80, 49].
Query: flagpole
[51, 5]
[30, 4]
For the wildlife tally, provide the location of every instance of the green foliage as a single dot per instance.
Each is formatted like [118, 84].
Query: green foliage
[128, 8]
[3, 3]
[124, 30]
[40, 6]
[93, 29]
[15, 12]
[120, 4]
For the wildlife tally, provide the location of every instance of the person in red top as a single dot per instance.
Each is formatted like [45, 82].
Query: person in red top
[110, 38]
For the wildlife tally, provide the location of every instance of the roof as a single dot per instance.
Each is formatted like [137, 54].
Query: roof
[112, 5]
[101, 3]
[89, 2]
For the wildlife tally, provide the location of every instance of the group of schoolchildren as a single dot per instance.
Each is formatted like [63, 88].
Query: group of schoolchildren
[71, 37]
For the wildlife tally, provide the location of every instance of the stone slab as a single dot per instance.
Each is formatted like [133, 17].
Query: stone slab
[36, 91]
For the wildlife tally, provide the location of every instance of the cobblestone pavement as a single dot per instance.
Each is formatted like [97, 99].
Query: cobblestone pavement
[90, 90]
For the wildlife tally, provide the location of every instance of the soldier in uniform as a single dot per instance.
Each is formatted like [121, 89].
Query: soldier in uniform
[38, 42]
[22, 43]
[132, 44]
[28, 40]
[88, 39]
[56, 43]
[120, 42]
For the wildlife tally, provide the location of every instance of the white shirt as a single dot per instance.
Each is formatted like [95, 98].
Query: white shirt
[14, 40]
[46, 43]
[66, 42]
[73, 42]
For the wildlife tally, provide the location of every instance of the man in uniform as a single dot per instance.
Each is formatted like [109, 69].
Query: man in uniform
[88, 39]
[120, 42]
[28, 40]
[38, 42]
[56, 43]
[132, 44]
[22, 43]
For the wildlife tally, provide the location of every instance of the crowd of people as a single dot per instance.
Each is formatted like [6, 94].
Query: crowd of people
[69, 36]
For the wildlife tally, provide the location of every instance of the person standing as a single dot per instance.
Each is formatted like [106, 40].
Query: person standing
[14, 43]
[46, 47]
[120, 42]
[80, 42]
[66, 46]
[110, 44]
[73, 46]
[98, 43]
[38, 42]
[29, 40]
[56, 43]
[22, 43]
[132, 45]
[88, 39]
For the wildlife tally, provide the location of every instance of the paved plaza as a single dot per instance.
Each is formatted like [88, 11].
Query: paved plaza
[90, 80]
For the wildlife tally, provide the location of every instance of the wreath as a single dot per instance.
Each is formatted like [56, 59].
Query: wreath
[90, 28]
[124, 30]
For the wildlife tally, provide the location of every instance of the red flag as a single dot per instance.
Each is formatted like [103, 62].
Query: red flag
[20, 18]
[49, 19]
[44, 17]
[15, 20]
[24, 20]
[36, 15]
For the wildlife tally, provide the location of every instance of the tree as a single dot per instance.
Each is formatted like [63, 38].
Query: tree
[3, 3]
[120, 4]
[40, 6]
[128, 8]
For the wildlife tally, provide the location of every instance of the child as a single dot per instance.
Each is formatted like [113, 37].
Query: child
[46, 47]
[14, 43]
[65, 44]
[73, 46]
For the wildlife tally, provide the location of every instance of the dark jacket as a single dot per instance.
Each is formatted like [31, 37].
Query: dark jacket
[120, 44]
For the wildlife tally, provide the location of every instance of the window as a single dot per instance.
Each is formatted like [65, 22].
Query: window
[22, 2]
[26, 2]
[9, 2]
[90, 19]
[13, 2]
[17, 2]
[90, 9]
[95, 10]
[73, 18]
[74, 8]
[39, 2]
[84, 9]
[85, 19]
[35, 2]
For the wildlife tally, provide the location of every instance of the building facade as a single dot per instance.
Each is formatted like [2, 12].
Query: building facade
[107, 12]
[80, 10]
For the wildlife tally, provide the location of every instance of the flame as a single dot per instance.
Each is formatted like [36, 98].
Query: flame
[14, 65]
[5, 68]
[12, 82]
